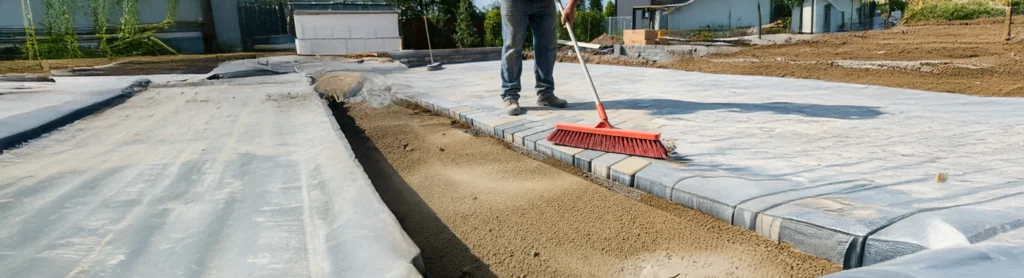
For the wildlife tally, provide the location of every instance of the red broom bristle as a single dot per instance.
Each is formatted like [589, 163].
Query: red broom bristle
[614, 144]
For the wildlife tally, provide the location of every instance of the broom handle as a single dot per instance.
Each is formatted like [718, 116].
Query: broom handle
[579, 56]
[429, 48]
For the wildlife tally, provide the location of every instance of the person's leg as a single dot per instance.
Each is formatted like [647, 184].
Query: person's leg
[544, 22]
[514, 16]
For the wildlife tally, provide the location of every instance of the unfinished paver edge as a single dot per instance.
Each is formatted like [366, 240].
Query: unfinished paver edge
[641, 180]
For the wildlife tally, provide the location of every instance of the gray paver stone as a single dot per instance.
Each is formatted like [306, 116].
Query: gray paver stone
[499, 131]
[584, 158]
[658, 180]
[601, 165]
[508, 134]
[530, 142]
[719, 196]
[518, 137]
[747, 212]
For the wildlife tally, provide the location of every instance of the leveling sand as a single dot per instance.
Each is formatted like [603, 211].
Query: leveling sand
[477, 208]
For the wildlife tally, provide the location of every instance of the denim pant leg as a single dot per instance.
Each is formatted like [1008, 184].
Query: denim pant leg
[544, 22]
[515, 15]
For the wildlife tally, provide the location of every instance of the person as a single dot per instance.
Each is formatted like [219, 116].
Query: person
[541, 17]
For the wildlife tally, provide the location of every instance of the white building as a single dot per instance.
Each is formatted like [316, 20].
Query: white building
[823, 16]
[810, 16]
[697, 14]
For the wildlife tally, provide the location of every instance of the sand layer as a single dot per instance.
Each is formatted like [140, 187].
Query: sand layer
[477, 208]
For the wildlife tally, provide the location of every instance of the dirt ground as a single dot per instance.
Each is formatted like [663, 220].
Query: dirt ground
[964, 57]
[479, 209]
[176, 64]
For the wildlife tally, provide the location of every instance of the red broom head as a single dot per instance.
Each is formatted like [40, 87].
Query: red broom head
[632, 142]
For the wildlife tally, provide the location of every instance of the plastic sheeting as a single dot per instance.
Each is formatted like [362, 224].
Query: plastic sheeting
[1001, 256]
[247, 177]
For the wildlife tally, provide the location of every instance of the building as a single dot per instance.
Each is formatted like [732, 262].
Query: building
[337, 28]
[824, 16]
[185, 36]
[810, 16]
[694, 14]
[238, 25]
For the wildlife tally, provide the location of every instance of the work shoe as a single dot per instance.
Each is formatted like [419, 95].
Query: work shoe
[512, 107]
[552, 101]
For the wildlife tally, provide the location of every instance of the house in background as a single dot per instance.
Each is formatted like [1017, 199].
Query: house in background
[694, 14]
[824, 16]
[810, 16]
[239, 25]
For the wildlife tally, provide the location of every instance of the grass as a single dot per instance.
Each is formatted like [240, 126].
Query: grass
[950, 10]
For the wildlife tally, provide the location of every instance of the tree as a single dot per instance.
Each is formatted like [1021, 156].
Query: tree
[492, 28]
[595, 5]
[465, 33]
[609, 9]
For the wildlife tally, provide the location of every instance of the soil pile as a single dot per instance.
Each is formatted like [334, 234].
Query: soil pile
[607, 39]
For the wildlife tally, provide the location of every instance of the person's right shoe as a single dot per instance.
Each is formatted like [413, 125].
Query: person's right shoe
[512, 107]
[552, 101]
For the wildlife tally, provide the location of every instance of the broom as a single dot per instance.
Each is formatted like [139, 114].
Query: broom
[604, 137]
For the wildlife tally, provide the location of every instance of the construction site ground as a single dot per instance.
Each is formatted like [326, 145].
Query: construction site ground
[963, 57]
[843, 172]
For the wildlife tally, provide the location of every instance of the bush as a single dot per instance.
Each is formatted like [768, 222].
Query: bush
[973, 9]
[59, 21]
[492, 28]
[588, 26]
[465, 33]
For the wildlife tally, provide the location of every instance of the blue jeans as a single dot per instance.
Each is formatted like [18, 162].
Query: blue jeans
[542, 17]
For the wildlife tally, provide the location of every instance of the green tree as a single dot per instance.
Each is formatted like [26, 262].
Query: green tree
[492, 28]
[609, 9]
[465, 33]
[594, 5]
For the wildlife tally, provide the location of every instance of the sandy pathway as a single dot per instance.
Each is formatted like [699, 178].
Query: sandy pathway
[477, 208]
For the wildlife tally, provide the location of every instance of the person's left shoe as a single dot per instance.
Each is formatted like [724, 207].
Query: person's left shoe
[552, 101]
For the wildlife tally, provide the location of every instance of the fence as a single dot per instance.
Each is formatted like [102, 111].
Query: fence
[616, 24]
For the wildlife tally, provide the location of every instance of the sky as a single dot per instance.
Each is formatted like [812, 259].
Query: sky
[480, 4]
